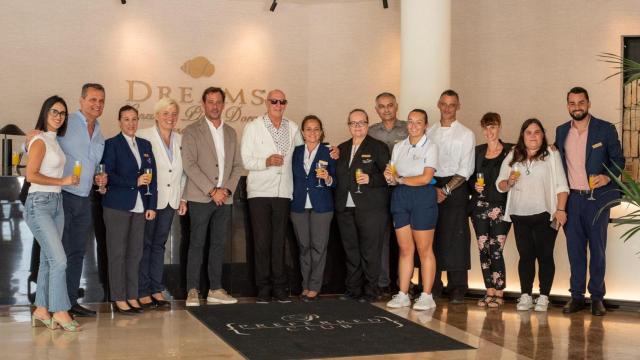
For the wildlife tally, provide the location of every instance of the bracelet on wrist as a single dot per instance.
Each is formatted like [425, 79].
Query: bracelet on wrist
[563, 210]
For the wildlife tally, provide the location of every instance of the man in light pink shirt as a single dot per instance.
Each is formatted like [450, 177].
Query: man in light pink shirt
[589, 146]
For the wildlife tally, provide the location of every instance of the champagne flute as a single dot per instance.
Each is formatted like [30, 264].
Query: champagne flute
[480, 182]
[358, 173]
[77, 170]
[319, 170]
[515, 171]
[149, 172]
[592, 183]
[100, 170]
[392, 169]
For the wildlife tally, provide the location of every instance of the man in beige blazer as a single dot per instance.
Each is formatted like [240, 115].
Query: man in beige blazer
[213, 165]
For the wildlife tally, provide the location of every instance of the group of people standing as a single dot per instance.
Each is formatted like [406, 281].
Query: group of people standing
[423, 181]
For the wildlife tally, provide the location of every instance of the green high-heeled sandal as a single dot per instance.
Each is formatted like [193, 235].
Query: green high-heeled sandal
[71, 326]
[48, 323]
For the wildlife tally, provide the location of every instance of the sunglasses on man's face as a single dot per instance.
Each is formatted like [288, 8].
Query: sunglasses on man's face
[276, 101]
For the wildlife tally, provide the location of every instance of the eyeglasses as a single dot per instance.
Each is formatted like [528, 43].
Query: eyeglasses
[277, 101]
[56, 113]
[357, 124]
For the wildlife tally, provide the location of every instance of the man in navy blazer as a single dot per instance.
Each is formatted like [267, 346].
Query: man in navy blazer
[589, 146]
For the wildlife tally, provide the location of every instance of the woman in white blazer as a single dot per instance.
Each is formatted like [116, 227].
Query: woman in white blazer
[166, 144]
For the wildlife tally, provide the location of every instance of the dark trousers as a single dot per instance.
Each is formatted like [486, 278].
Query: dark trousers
[216, 219]
[457, 283]
[491, 235]
[125, 236]
[269, 219]
[156, 232]
[582, 231]
[535, 240]
[77, 227]
[100, 232]
[362, 232]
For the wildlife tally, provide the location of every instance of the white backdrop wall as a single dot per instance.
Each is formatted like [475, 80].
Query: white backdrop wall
[327, 56]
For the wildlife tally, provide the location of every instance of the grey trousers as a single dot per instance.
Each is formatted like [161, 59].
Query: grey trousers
[125, 238]
[312, 230]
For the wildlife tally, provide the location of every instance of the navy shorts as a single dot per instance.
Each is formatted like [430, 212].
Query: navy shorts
[414, 205]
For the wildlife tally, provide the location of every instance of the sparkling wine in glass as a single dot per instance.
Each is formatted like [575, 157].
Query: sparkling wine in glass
[592, 183]
[358, 173]
[149, 172]
[100, 170]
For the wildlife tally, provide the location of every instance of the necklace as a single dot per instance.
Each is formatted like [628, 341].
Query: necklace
[528, 164]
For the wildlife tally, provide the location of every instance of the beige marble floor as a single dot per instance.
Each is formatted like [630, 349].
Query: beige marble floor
[497, 334]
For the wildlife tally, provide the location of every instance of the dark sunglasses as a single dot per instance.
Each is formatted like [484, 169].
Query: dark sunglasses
[276, 101]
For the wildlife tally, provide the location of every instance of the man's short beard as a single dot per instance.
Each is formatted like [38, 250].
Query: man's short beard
[578, 118]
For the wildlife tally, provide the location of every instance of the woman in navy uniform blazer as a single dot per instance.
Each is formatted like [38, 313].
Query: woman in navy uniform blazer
[126, 206]
[312, 204]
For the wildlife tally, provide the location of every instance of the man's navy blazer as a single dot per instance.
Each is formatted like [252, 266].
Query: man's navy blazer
[603, 149]
[321, 197]
[123, 172]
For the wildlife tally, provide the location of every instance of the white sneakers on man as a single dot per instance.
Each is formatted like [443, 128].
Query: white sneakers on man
[399, 300]
[192, 298]
[424, 302]
[525, 302]
[542, 303]
[220, 296]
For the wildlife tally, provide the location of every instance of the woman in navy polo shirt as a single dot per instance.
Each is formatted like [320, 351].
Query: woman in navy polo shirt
[312, 204]
[414, 208]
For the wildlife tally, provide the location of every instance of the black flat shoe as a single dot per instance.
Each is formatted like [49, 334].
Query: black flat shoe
[135, 309]
[79, 311]
[309, 299]
[160, 303]
[127, 312]
[148, 305]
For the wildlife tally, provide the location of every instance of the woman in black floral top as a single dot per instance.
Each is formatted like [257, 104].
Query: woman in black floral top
[488, 208]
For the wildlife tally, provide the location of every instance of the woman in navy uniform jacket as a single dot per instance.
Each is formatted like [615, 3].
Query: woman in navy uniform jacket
[312, 204]
[126, 207]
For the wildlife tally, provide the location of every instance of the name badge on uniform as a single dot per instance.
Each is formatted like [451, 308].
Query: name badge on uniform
[595, 146]
[366, 158]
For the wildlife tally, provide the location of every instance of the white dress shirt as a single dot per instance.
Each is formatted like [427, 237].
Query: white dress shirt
[308, 159]
[456, 149]
[218, 142]
[350, 202]
[134, 149]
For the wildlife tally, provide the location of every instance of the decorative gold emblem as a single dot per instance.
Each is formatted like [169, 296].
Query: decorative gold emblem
[197, 67]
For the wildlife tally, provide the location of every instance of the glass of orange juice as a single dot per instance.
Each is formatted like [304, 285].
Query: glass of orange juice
[515, 171]
[592, 183]
[480, 182]
[149, 173]
[77, 169]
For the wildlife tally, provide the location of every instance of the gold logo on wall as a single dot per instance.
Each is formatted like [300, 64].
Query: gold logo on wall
[197, 67]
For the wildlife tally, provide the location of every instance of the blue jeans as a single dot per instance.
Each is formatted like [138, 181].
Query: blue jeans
[77, 228]
[156, 232]
[45, 218]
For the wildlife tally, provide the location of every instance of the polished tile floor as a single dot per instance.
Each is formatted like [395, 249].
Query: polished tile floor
[497, 334]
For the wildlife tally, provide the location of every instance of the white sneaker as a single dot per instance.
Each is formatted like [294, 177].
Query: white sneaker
[192, 298]
[525, 302]
[424, 302]
[399, 300]
[220, 296]
[542, 303]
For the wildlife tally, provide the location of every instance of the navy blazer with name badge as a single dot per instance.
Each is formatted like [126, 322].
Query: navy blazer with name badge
[603, 149]
[321, 197]
[123, 172]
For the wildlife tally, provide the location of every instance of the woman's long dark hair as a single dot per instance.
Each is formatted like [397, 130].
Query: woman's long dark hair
[520, 150]
[41, 124]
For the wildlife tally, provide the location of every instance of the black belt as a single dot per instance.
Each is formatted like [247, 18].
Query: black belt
[580, 192]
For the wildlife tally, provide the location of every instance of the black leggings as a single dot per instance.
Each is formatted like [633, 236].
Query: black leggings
[535, 240]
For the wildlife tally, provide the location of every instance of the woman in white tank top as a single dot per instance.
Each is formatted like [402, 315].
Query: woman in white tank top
[45, 216]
